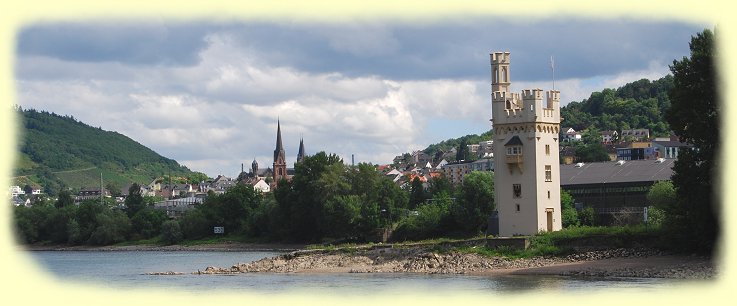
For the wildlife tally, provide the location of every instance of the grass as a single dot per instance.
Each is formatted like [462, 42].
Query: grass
[556, 243]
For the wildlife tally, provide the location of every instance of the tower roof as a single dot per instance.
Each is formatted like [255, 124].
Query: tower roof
[515, 141]
[279, 150]
[301, 153]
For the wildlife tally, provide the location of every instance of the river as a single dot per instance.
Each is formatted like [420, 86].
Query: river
[126, 270]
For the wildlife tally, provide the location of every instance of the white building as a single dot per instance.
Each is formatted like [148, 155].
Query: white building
[262, 186]
[527, 177]
[16, 191]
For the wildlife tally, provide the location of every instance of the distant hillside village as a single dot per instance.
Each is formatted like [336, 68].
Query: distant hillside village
[636, 161]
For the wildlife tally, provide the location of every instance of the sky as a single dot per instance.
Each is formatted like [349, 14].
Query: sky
[209, 93]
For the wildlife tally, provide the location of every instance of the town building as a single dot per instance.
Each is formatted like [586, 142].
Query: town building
[635, 134]
[456, 171]
[614, 187]
[669, 147]
[526, 133]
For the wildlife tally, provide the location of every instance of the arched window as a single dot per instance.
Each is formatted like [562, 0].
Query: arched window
[504, 75]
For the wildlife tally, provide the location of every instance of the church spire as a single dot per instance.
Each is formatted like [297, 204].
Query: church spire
[280, 164]
[279, 151]
[301, 153]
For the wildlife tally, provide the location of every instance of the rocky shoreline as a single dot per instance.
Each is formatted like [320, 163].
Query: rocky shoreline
[607, 263]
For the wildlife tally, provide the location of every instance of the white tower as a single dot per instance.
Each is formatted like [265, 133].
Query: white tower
[527, 175]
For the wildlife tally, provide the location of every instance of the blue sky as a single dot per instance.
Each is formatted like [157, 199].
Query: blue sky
[208, 94]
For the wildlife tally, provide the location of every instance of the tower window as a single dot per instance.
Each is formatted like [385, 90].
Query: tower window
[517, 207]
[548, 173]
[514, 151]
[547, 149]
[517, 190]
[548, 194]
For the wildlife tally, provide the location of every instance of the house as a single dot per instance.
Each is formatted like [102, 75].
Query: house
[635, 134]
[669, 148]
[609, 136]
[16, 191]
[86, 193]
[568, 134]
[262, 186]
[486, 148]
[420, 158]
[637, 153]
[473, 148]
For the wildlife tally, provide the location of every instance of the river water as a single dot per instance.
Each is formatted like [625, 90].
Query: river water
[126, 270]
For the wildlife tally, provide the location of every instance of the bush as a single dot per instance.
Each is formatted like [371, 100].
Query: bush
[587, 216]
[171, 232]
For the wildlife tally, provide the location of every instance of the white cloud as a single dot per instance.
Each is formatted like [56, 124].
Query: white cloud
[221, 112]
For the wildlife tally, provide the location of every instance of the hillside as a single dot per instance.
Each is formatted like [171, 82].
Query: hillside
[58, 151]
[639, 104]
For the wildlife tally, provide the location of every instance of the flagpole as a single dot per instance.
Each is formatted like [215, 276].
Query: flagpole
[552, 69]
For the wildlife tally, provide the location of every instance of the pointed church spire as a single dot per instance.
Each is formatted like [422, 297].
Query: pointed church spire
[280, 164]
[301, 153]
[279, 151]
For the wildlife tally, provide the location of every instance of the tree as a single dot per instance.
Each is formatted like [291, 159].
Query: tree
[134, 201]
[112, 227]
[569, 215]
[694, 117]
[662, 195]
[416, 194]
[171, 232]
[475, 201]
[463, 153]
[64, 199]
[147, 222]
[594, 152]
[113, 189]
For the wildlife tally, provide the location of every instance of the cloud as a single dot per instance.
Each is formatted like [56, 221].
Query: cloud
[209, 95]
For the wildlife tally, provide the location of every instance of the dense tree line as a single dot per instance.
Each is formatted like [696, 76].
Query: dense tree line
[325, 201]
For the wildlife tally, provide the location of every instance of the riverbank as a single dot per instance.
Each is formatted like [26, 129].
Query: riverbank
[606, 263]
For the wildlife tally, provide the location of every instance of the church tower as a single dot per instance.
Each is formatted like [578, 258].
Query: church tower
[527, 175]
[280, 164]
[254, 168]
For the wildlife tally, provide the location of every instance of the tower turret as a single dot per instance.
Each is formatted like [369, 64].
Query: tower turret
[500, 79]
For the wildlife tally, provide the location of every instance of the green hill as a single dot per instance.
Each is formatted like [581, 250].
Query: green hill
[60, 152]
[639, 104]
